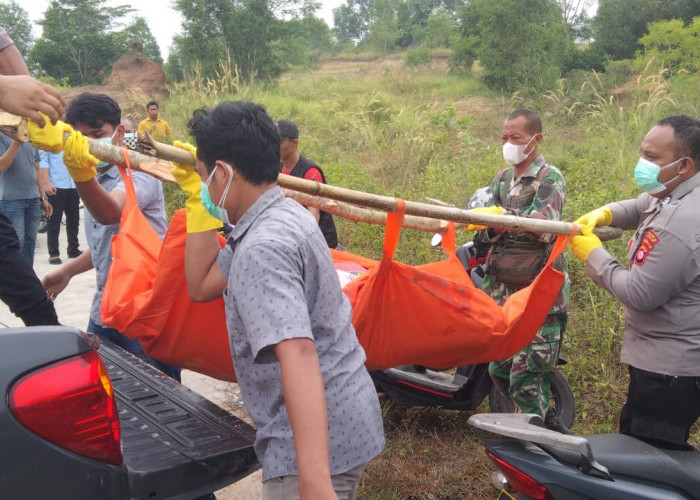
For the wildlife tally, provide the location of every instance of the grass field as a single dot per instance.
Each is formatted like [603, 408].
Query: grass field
[376, 126]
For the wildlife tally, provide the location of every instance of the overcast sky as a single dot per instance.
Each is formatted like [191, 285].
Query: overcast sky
[162, 19]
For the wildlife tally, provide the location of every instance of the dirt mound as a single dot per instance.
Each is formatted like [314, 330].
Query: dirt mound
[134, 81]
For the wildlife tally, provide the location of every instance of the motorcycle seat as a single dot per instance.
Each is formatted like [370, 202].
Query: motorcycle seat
[626, 456]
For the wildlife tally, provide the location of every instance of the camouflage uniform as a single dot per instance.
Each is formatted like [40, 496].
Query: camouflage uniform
[526, 376]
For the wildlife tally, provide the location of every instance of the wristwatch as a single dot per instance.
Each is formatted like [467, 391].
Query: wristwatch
[43, 198]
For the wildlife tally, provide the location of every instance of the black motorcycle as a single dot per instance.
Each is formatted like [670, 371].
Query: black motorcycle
[534, 462]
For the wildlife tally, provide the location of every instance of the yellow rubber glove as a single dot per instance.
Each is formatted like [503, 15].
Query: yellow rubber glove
[50, 137]
[76, 155]
[495, 209]
[584, 245]
[599, 217]
[198, 219]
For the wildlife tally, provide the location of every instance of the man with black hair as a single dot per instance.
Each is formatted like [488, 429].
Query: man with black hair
[103, 194]
[299, 364]
[299, 166]
[157, 127]
[660, 288]
[528, 187]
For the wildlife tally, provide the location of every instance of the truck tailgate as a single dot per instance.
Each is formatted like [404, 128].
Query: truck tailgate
[176, 444]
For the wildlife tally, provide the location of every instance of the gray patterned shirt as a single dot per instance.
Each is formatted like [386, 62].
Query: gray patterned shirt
[282, 285]
[149, 192]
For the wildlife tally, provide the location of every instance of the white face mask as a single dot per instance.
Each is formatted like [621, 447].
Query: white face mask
[514, 154]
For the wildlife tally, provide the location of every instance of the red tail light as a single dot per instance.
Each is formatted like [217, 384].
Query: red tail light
[71, 404]
[520, 481]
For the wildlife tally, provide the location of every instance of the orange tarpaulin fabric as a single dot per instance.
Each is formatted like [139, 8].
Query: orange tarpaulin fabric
[146, 296]
[431, 315]
[434, 316]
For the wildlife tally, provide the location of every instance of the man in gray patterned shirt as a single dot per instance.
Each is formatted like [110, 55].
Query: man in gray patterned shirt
[299, 364]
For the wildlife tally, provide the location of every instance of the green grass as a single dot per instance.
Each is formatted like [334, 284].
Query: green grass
[413, 134]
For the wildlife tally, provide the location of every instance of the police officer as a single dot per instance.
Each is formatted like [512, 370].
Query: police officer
[661, 287]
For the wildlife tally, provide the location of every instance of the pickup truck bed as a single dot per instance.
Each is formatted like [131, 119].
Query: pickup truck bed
[174, 443]
[172, 438]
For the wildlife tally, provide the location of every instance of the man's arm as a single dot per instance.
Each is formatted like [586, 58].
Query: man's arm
[204, 279]
[662, 268]
[305, 399]
[55, 282]
[40, 179]
[21, 94]
[12, 62]
[106, 207]
[8, 156]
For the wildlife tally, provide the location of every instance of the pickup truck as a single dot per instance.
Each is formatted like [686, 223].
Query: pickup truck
[81, 418]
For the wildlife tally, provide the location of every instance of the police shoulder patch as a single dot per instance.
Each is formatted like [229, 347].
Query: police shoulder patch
[648, 243]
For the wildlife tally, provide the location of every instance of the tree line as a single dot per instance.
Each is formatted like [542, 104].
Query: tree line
[520, 44]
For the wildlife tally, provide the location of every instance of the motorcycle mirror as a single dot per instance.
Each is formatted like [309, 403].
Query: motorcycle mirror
[436, 240]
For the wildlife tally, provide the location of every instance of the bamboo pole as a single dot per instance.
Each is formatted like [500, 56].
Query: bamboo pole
[317, 192]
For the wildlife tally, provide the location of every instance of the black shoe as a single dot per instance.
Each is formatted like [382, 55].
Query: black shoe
[552, 422]
[73, 255]
[56, 260]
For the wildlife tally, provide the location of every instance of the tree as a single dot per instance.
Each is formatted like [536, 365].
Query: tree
[383, 30]
[16, 21]
[520, 43]
[249, 30]
[619, 24]
[675, 46]
[138, 32]
[351, 21]
[78, 40]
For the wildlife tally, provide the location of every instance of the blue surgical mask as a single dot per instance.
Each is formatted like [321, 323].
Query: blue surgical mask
[216, 211]
[646, 173]
[107, 140]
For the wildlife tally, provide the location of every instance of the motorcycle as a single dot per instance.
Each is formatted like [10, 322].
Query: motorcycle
[535, 462]
[468, 385]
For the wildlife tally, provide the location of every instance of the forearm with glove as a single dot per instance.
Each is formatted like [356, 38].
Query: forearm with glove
[586, 242]
[198, 219]
[494, 210]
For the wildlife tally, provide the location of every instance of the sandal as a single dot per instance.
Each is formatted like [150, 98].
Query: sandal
[55, 260]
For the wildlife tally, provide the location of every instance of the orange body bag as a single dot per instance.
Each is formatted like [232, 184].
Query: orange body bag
[146, 295]
[431, 315]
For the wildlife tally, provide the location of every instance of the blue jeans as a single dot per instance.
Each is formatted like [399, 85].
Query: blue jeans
[133, 346]
[24, 215]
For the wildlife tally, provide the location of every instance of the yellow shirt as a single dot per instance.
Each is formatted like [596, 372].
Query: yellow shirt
[159, 129]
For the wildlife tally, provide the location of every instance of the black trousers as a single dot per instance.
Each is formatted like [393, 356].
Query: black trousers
[20, 288]
[64, 201]
[660, 409]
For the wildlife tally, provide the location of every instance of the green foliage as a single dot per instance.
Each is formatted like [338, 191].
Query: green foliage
[416, 58]
[138, 32]
[16, 21]
[383, 28]
[521, 43]
[78, 40]
[619, 24]
[672, 46]
[351, 21]
[261, 44]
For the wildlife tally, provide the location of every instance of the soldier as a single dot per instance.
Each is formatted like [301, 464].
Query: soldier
[528, 188]
[660, 288]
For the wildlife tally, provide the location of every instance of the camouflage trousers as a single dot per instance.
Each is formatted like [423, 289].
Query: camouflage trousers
[525, 378]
